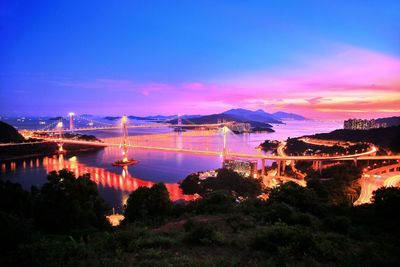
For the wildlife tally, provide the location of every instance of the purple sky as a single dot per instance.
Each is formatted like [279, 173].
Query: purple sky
[145, 58]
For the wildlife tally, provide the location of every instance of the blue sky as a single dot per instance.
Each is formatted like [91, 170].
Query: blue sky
[143, 57]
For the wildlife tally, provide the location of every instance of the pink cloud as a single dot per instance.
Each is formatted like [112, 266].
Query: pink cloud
[349, 80]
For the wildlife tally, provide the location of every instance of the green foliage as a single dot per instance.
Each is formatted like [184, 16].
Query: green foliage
[149, 205]
[14, 231]
[201, 234]
[297, 196]
[14, 199]
[387, 201]
[54, 252]
[66, 203]
[191, 185]
[227, 180]
[338, 187]
[213, 202]
[295, 227]
[272, 239]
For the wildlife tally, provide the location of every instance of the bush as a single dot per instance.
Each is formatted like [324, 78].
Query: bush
[148, 205]
[66, 203]
[272, 239]
[213, 202]
[201, 234]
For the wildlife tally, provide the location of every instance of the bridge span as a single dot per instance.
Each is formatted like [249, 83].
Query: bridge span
[360, 156]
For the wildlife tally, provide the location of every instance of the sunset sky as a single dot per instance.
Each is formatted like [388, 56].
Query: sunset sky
[320, 59]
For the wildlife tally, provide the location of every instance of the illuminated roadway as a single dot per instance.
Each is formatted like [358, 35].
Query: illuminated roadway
[359, 156]
[371, 183]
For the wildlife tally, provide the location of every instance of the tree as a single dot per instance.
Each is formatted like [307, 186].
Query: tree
[191, 185]
[294, 195]
[148, 205]
[386, 200]
[66, 203]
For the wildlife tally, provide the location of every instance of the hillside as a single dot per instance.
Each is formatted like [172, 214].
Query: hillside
[215, 118]
[390, 121]
[248, 115]
[8, 134]
[288, 116]
[387, 138]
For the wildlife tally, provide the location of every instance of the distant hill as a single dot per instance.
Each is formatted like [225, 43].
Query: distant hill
[215, 118]
[288, 116]
[390, 121]
[8, 134]
[257, 118]
[249, 115]
[112, 118]
[152, 118]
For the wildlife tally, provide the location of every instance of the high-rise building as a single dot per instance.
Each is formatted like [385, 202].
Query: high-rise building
[359, 124]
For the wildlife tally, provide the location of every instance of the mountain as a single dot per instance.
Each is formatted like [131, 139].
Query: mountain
[390, 121]
[112, 118]
[8, 134]
[288, 116]
[215, 118]
[249, 115]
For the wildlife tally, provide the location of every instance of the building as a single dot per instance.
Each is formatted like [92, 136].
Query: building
[359, 124]
[247, 168]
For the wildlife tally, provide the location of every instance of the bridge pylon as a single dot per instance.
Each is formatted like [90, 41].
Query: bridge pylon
[60, 143]
[124, 146]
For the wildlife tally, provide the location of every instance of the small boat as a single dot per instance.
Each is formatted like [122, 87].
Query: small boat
[125, 163]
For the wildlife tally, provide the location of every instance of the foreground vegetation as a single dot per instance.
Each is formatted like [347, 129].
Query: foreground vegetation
[63, 224]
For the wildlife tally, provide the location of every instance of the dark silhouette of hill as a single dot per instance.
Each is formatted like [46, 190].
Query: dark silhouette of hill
[258, 115]
[8, 134]
[215, 118]
[388, 138]
[390, 121]
[288, 116]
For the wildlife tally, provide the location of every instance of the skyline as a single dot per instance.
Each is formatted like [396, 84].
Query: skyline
[318, 60]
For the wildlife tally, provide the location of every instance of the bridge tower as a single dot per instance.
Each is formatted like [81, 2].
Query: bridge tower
[124, 141]
[124, 146]
[224, 149]
[60, 135]
[179, 121]
[71, 120]
[179, 125]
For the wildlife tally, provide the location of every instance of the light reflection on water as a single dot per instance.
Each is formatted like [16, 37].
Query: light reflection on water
[122, 182]
[154, 166]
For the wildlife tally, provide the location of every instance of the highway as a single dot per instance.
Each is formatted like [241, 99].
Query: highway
[371, 182]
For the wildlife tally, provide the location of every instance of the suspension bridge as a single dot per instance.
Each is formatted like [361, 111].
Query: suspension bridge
[55, 133]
